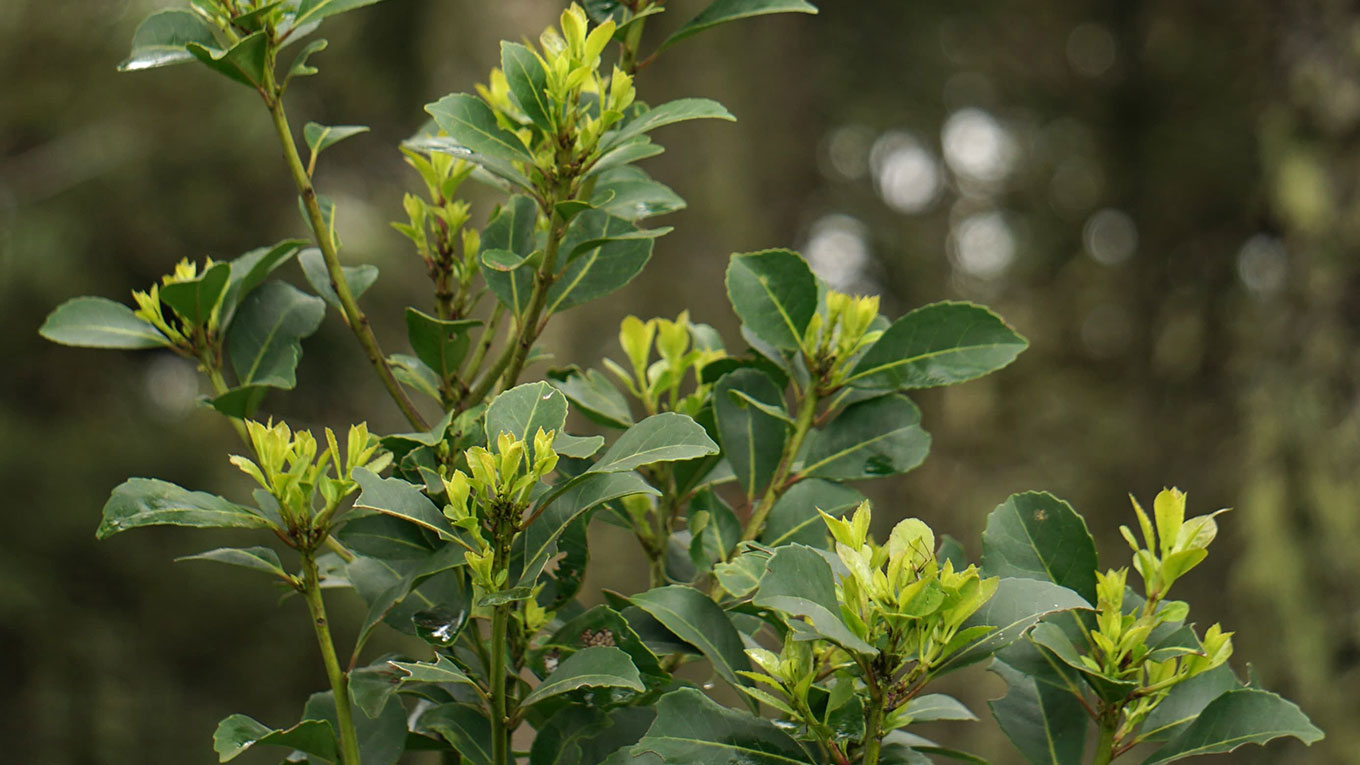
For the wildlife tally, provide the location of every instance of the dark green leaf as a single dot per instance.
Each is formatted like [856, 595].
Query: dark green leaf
[538, 541]
[628, 193]
[249, 271]
[937, 706]
[1053, 638]
[581, 735]
[359, 278]
[774, 293]
[244, 62]
[1046, 724]
[638, 149]
[471, 123]
[265, 338]
[794, 516]
[1016, 607]
[1184, 703]
[723, 11]
[665, 437]
[881, 436]
[694, 618]
[528, 82]
[372, 686]
[93, 322]
[384, 536]
[604, 253]
[741, 575]
[238, 733]
[594, 395]
[1246, 716]
[160, 39]
[596, 666]
[798, 582]
[465, 727]
[691, 729]
[261, 559]
[195, 299]
[938, 344]
[511, 231]
[1035, 535]
[603, 619]
[440, 343]
[395, 497]
[312, 11]
[381, 738]
[524, 410]
[714, 527]
[148, 502]
[666, 114]
[752, 440]
[322, 137]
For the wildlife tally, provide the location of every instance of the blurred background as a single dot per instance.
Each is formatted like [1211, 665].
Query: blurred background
[1162, 196]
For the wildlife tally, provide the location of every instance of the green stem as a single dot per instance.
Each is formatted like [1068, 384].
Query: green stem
[219, 385]
[807, 412]
[500, 732]
[631, 42]
[354, 316]
[311, 590]
[1105, 745]
[543, 279]
[873, 724]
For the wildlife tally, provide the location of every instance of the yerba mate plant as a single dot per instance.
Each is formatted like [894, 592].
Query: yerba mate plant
[733, 463]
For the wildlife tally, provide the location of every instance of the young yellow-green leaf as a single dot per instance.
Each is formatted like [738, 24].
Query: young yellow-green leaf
[794, 518]
[261, 559]
[937, 344]
[238, 733]
[322, 137]
[244, 62]
[668, 113]
[1246, 716]
[359, 278]
[798, 582]
[528, 82]
[160, 39]
[752, 439]
[694, 618]
[593, 667]
[1035, 535]
[774, 293]
[148, 502]
[94, 322]
[470, 122]
[878, 437]
[264, 342]
[665, 437]
[722, 11]
[196, 298]
[692, 729]
[440, 343]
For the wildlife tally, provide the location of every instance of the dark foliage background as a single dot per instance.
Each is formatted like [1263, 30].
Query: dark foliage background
[1161, 195]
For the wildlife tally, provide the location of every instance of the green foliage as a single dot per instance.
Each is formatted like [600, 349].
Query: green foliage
[733, 469]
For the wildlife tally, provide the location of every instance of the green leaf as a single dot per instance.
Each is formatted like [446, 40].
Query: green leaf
[265, 338]
[160, 39]
[577, 447]
[537, 543]
[692, 729]
[694, 618]
[798, 582]
[244, 62]
[238, 733]
[1017, 605]
[628, 193]
[381, 739]
[502, 172]
[440, 343]
[593, 395]
[878, 437]
[528, 82]
[583, 735]
[1185, 701]
[249, 270]
[94, 322]
[666, 114]
[1046, 724]
[1246, 716]
[511, 231]
[312, 11]
[359, 278]
[397, 498]
[665, 437]
[384, 536]
[937, 706]
[1053, 638]
[595, 667]
[938, 344]
[523, 410]
[714, 528]
[774, 293]
[463, 726]
[441, 671]
[373, 686]
[741, 575]
[322, 137]
[141, 502]
[471, 123]
[794, 518]
[752, 440]
[604, 254]
[723, 11]
[261, 559]
[638, 149]
[1035, 535]
[300, 67]
[602, 618]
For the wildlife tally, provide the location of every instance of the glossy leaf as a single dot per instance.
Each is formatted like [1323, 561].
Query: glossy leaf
[752, 440]
[723, 11]
[1246, 716]
[1035, 535]
[583, 735]
[628, 193]
[243, 62]
[595, 667]
[440, 343]
[160, 39]
[471, 123]
[794, 518]
[798, 582]
[384, 536]
[694, 618]
[692, 729]
[938, 344]
[878, 437]
[1048, 725]
[359, 278]
[238, 733]
[94, 322]
[741, 576]
[264, 342]
[261, 559]
[148, 502]
[528, 82]
[195, 299]
[668, 113]
[665, 437]
[774, 293]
